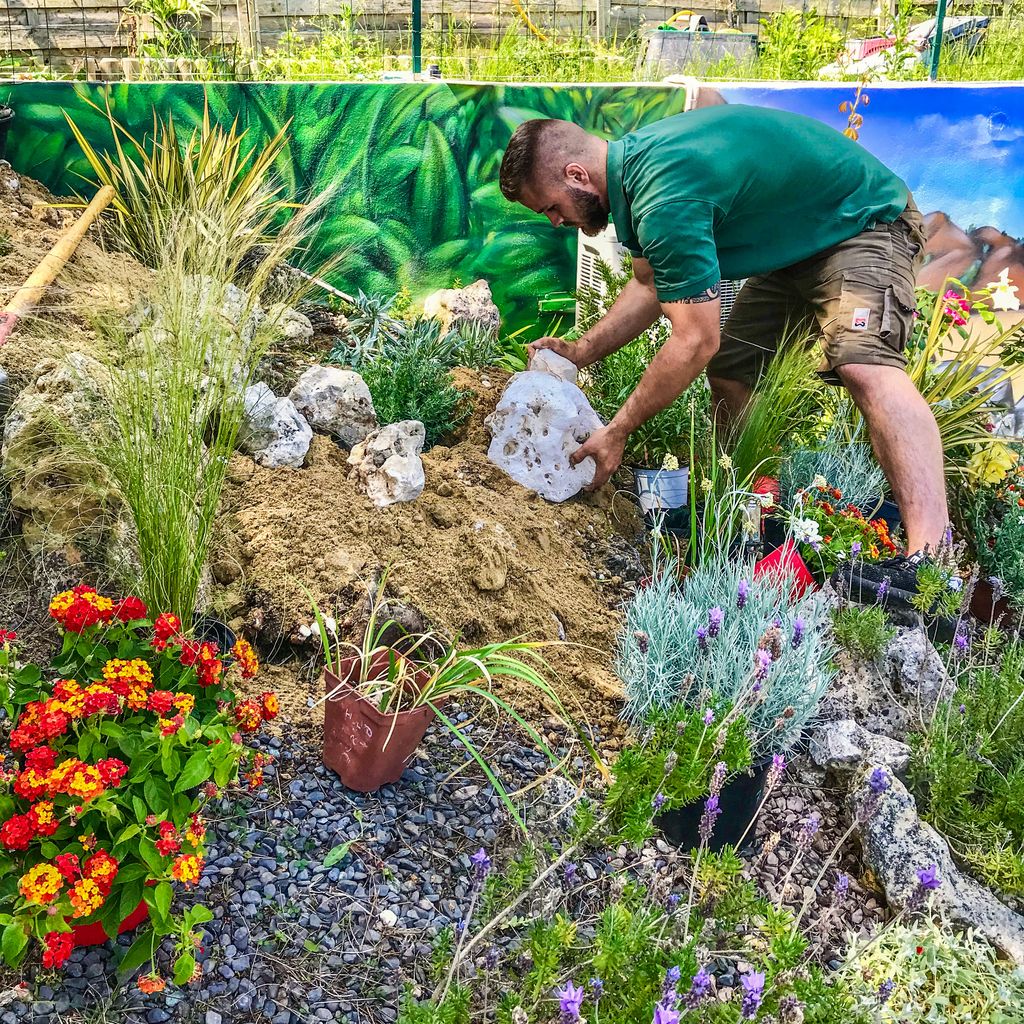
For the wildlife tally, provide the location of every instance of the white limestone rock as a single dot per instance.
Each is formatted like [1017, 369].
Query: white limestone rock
[540, 420]
[273, 431]
[462, 307]
[547, 361]
[387, 464]
[844, 746]
[335, 401]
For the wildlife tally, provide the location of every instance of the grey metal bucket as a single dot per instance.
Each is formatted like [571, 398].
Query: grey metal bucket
[662, 488]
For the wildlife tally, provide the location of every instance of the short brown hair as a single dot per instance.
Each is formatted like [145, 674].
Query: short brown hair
[519, 164]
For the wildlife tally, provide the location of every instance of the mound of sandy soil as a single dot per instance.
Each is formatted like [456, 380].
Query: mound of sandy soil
[477, 556]
[94, 282]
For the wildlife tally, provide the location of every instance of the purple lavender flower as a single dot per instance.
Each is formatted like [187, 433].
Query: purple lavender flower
[928, 878]
[879, 781]
[672, 902]
[883, 589]
[702, 639]
[742, 593]
[799, 629]
[777, 622]
[570, 872]
[961, 641]
[709, 716]
[808, 831]
[885, 991]
[570, 999]
[668, 987]
[460, 926]
[753, 993]
[491, 958]
[855, 549]
[715, 619]
[481, 864]
[718, 777]
[658, 802]
[596, 988]
[665, 1015]
[963, 709]
[708, 818]
[841, 888]
[777, 767]
[699, 989]
[762, 663]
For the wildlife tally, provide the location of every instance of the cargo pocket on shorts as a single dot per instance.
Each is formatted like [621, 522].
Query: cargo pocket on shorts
[898, 311]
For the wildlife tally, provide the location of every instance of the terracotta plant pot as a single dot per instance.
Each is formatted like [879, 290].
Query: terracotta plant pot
[94, 935]
[987, 610]
[368, 748]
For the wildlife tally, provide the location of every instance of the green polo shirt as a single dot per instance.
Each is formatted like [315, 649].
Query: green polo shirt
[733, 191]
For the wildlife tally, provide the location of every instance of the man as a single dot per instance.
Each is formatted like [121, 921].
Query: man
[823, 232]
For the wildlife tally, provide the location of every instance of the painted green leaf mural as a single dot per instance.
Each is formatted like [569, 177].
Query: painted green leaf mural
[410, 169]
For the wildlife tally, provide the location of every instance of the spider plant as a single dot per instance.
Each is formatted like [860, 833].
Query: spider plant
[428, 672]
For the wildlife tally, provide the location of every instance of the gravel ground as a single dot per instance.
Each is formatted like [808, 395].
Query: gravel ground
[293, 942]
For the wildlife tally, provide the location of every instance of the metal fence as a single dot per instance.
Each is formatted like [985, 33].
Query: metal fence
[509, 40]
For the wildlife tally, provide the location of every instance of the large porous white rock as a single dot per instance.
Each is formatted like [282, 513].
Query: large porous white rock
[335, 401]
[547, 361]
[844, 746]
[897, 843]
[540, 420]
[387, 463]
[464, 307]
[272, 430]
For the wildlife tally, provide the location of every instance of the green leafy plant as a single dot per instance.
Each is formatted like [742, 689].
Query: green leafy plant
[862, 631]
[174, 23]
[104, 811]
[209, 179]
[796, 45]
[671, 767]
[968, 769]
[397, 671]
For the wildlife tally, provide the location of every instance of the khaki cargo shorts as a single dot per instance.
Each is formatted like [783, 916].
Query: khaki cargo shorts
[856, 300]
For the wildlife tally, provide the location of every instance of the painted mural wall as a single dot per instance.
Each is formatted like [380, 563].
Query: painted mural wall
[411, 169]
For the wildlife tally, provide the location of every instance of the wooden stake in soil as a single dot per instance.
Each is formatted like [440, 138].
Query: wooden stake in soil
[52, 264]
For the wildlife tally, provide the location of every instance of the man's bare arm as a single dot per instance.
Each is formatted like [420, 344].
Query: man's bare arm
[633, 311]
[694, 340]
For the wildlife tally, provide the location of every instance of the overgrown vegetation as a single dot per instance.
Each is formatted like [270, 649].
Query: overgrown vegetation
[968, 767]
[862, 631]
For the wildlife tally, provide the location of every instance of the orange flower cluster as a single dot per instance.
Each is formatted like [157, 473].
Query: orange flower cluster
[251, 713]
[246, 658]
[187, 869]
[254, 777]
[150, 983]
[78, 609]
[40, 778]
[87, 886]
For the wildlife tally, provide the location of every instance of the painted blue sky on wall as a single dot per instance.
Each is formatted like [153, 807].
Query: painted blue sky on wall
[959, 148]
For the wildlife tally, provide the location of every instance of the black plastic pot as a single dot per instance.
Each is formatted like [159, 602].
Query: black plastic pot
[739, 800]
[208, 629]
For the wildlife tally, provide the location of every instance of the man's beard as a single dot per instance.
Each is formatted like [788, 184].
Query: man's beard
[591, 213]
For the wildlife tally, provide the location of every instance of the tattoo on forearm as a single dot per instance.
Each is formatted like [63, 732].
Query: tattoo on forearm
[705, 296]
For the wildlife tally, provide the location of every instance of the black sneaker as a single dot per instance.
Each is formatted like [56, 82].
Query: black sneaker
[891, 582]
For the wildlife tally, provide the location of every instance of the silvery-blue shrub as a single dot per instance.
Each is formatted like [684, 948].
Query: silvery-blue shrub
[662, 658]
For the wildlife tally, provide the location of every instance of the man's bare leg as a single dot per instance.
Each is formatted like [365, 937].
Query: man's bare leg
[729, 400]
[908, 447]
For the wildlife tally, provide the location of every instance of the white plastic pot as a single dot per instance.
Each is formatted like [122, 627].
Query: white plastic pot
[662, 488]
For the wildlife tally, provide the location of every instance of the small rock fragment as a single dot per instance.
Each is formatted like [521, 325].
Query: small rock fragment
[387, 463]
[844, 746]
[462, 307]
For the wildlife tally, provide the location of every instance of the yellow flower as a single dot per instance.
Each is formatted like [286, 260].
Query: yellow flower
[990, 464]
[41, 884]
[670, 463]
[86, 897]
